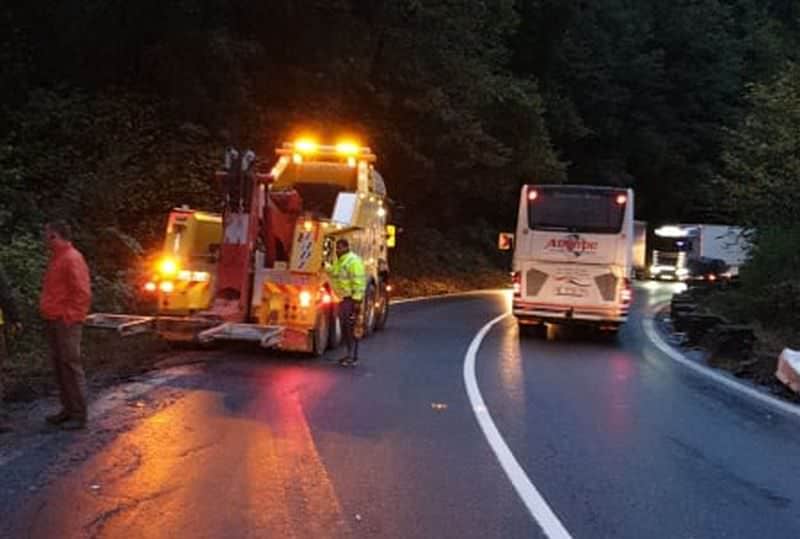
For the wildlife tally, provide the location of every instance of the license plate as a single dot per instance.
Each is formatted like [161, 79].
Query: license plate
[572, 291]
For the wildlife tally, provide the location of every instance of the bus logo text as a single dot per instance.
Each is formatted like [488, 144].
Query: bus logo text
[573, 244]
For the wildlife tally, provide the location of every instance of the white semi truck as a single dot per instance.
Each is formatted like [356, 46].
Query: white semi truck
[674, 246]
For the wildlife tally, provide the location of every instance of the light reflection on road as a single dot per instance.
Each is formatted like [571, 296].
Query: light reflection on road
[253, 457]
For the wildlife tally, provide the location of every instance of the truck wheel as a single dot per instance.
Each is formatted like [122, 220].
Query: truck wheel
[369, 310]
[335, 325]
[320, 335]
[382, 310]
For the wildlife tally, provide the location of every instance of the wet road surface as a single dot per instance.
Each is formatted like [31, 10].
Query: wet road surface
[620, 440]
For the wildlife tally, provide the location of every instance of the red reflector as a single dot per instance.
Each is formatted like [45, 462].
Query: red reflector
[627, 293]
[533, 194]
[622, 199]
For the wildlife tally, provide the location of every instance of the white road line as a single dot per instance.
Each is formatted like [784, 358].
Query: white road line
[649, 327]
[534, 501]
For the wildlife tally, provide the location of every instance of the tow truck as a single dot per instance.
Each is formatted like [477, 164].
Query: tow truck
[279, 228]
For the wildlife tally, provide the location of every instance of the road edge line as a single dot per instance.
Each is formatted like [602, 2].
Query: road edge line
[533, 500]
[648, 325]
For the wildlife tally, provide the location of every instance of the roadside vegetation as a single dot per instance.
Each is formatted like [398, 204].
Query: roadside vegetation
[761, 174]
[111, 120]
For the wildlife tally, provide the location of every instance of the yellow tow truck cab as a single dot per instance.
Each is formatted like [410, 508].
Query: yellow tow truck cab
[182, 275]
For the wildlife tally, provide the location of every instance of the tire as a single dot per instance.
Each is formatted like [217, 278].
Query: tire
[335, 328]
[320, 335]
[609, 334]
[383, 311]
[369, 310]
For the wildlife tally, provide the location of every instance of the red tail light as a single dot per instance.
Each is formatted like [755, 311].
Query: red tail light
[622, 199]
[533, 194]
[516, 283]
[325, 297]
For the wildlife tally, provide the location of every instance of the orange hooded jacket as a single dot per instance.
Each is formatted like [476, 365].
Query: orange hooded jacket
[66, 292]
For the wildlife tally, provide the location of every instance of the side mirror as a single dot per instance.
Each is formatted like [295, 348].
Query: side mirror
[505, 241]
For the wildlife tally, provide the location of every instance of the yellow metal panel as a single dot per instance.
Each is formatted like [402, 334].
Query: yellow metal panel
[391, 236]
[189, 240]
[318, 172]
[307, 247]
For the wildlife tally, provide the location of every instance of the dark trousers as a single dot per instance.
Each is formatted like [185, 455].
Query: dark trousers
[347, 317]
[64, 341]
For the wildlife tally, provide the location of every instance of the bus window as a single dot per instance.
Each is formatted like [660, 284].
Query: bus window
[570, 209]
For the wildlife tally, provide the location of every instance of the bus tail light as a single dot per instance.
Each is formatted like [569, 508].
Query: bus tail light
[533, 194]
[516, 283]
[305, 298]
[622, 199]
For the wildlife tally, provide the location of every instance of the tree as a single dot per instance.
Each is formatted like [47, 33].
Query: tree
[762, 157]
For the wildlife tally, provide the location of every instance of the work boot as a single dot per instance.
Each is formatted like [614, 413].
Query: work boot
[57, 419]
[345, 361]
[74, 423]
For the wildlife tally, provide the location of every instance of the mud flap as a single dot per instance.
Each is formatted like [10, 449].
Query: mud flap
[295, 340]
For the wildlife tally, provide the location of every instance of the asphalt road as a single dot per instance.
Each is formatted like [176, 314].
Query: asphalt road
[619, 439]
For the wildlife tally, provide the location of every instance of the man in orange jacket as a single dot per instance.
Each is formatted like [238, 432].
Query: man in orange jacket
[65, 301]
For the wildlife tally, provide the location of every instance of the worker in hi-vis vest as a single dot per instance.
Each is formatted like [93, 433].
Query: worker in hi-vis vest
[349, 281]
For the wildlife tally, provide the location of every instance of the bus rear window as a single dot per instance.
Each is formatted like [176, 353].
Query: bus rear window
[597, 211]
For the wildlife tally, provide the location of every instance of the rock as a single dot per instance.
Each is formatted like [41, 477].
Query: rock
[680, 317]
[731, 341]
[698, 325]
[788, 371]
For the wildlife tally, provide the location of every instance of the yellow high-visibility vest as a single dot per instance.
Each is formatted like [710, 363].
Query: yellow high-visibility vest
[348, 276]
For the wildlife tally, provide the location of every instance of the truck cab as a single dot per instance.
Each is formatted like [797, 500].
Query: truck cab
[672, 246]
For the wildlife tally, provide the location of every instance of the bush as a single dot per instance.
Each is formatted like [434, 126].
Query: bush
[770, 279]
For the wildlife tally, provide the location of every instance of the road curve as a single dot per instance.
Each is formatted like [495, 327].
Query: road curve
[624, 442]
[620, 440]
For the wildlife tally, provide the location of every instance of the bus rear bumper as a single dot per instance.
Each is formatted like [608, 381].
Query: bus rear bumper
[536, 313]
